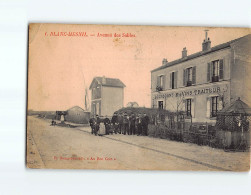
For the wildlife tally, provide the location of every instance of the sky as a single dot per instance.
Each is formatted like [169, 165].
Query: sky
[61, 67]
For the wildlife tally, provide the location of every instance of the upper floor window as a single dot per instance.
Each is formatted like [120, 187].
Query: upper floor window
[215, 68]
[173, 80]
[189, 76]
[96, 93]
[215, 71]
[161, 80]
[160, 83]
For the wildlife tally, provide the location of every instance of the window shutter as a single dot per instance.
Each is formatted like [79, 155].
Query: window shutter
[220, 104]
[185, 105]
[158, 81]
[221, 69]
[209, 72]
[164, 82]
[193, 108]
[208, 107]
[194, 75]
[184, 77]
[170, 81]
[175, 80]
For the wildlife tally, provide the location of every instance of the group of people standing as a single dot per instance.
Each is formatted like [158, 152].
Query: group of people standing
[122, 123]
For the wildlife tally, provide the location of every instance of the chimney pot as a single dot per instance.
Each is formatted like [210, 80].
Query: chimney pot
[206, 44]
[184, 52]
[164, 62]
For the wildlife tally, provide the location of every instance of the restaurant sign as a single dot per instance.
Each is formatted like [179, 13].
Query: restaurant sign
[195, 92]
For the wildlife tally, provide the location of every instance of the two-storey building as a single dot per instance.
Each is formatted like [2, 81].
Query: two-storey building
[107, 95]
[203, 83]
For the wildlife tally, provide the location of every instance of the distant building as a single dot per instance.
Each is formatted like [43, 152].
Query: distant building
[132, 104]
[60, 115]
[203, 83]
[77, 115]
[107, 95]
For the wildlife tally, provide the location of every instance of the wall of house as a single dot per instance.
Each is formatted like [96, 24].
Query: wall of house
[200, 96]
[112, 100]
[201, 69]
[96, 99]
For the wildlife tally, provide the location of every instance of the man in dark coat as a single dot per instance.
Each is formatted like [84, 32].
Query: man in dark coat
[115, 123]
[97, 124]
[126, 124]
[132, 120]
[139, 124]
[120, 122]
[107, 125]
[145, 121]
[92, 124]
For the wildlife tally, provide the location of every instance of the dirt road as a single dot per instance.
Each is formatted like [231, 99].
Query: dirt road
[75, 148]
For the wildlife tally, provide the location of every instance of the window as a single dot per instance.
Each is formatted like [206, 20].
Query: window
[96, 93]
[215, 106]
[97, 108]
[160, 83]
[189, 76]
[215, 66]
[215, 71]
[173, 80]
[161, 80]
[188, 107]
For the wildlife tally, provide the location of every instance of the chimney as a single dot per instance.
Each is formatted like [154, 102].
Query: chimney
[103, 80]
[164, 62]
[184, 52]
[206, 45]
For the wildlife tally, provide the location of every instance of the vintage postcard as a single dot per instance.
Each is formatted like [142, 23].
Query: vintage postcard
[138, 97]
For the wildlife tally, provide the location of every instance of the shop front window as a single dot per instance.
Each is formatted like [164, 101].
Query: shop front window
[215, 106]
[188, 107]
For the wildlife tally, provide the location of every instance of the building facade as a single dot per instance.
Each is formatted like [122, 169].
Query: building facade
[107, 96]
[203, 83]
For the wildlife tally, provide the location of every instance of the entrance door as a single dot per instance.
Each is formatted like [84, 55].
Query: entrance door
[160, 104]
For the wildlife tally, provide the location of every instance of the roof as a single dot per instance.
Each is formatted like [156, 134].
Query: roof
[201, 53]
[237, 107]
[78, 107]
[104, 81]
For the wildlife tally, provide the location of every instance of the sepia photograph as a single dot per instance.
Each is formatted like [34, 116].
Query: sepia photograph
[121, 97]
